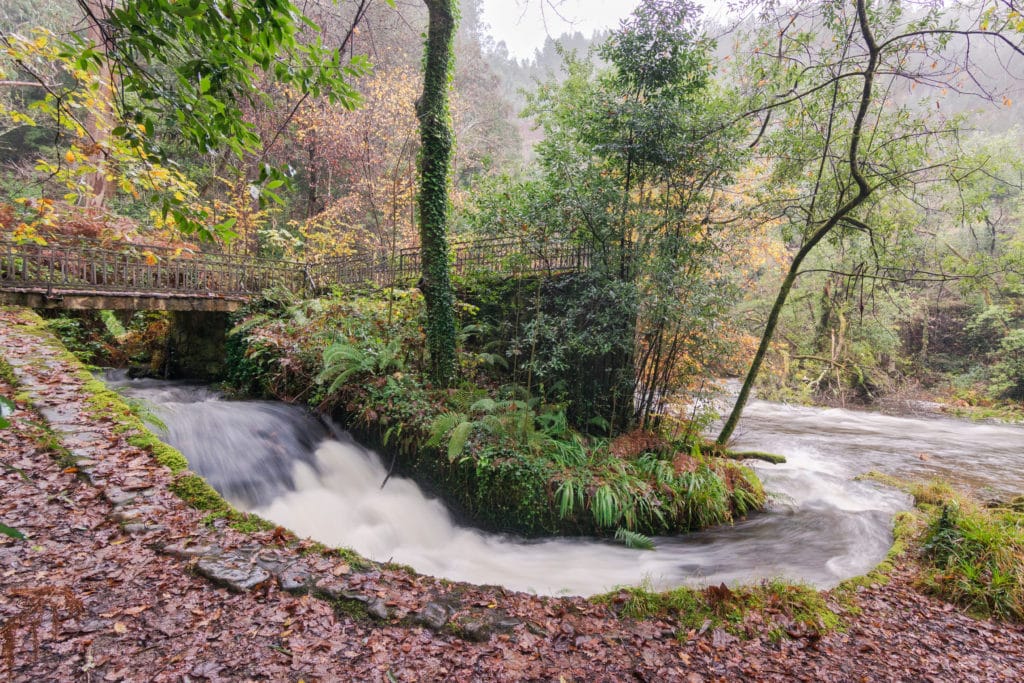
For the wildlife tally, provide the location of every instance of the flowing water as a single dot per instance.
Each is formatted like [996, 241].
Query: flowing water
[822, 526]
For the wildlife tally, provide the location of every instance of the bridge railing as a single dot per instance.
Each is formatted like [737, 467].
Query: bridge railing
[90, 266]
[510, 256]
[84, 266]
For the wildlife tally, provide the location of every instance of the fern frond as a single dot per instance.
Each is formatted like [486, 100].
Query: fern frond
[485, 405]
[342, 361]
[464, 397]
[442, 425]
[632, 539]
[458, 441]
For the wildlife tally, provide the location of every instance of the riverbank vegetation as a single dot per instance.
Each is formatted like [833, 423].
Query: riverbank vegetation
[971, 553]
[507, 459]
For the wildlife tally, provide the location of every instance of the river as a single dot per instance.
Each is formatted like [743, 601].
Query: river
[821, 527]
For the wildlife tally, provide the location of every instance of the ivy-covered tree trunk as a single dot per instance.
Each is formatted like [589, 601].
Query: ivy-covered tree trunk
[436, 139]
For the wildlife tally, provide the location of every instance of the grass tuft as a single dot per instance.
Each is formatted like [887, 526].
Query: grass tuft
[776, 607]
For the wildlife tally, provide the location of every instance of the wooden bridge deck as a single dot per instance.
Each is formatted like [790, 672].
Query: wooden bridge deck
[85, 274]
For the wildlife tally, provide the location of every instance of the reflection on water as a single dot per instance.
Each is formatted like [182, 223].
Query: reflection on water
[822, 527]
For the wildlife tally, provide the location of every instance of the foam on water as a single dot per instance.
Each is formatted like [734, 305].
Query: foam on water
[822, 527]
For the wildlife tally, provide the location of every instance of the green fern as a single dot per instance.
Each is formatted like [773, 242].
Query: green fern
[442, 425]
[569, 496]
[462, 398]
[605, 507]
[632, 539]
[457, 442]
[486, 405]
[342, 361]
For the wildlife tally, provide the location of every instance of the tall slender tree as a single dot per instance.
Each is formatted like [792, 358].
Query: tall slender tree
[825, 77]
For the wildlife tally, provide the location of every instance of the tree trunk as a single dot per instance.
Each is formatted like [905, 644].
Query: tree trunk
[100, 124]
[863, 191]
[435, 171]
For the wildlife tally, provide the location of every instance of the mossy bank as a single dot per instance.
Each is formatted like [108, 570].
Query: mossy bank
[502, 454]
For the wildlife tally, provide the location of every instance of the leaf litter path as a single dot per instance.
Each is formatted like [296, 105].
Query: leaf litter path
[107, 540]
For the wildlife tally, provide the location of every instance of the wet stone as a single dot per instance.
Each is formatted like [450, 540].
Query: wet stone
[123, 515]
[186, 550]
[332, 589]
[234, 571]
[273, 561]
[84, 439]
[377, 609]
[116, 496]
[481, 629]
[295, 578]
[93, 478]
[478, 631]
[136, 484]
[434, 616]
[136, 528]
[60, 415]
[130, 514]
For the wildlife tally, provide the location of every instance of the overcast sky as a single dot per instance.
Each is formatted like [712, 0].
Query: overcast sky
[524, 24]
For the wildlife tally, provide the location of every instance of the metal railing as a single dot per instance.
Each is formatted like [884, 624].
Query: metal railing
[85, 266]
[93, 267]
[506, 256]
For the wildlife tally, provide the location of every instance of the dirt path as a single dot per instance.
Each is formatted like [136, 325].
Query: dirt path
[113, 554]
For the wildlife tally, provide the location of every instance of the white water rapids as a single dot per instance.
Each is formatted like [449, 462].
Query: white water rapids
[277, 461]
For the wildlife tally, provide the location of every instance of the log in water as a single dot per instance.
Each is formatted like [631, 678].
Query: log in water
[822, 526]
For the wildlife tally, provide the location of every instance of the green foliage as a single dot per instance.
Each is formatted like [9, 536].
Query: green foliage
[632, 154]
[509, 423]
[436, 142]
[197, 493]
[79, 338]
[783, 606]
[503, 459]
[11, 532]
[568, 340]
[6, 408]
[344, 361]
[1008, 370]
[632, 539]
[977, 556]
[971, 555]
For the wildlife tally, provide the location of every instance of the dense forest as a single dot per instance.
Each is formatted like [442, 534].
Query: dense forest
[702, 181]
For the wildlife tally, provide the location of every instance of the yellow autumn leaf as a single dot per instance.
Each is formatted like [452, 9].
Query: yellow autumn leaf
[151, 259]
[69, 157]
